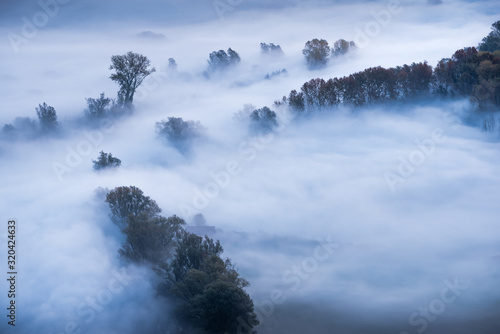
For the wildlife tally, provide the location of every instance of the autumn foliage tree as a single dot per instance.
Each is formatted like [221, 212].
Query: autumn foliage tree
[316, 52]
[341, 47]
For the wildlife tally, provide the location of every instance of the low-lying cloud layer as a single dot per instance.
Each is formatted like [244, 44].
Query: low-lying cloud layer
[382, 219]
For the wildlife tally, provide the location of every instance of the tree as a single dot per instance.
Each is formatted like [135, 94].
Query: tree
[106, 160]
[271, 49]
[150, 239]
[223, 307]
[97, 108]
[317, 53]
[296, 101]
[191, 253]
[491, 42]
[341, 47]
[130, 201]
[210, 290]
[172, 64]
[442, 79]
[178, 132]
[131, 70]
[47, 117]
[220, 60]
[263, 120]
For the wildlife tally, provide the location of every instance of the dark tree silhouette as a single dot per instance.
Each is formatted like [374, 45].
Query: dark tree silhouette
[150, 239]
[271, 49]
[210, 291]
[47, 117]
[491, 42]
[220, 60]
[178, 132]
[130, 201]
[97, 108]
[130, 71]
[263, 120]
[106, 160]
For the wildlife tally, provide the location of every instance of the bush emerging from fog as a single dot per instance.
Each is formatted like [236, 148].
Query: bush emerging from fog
[263, 120]
[27, 128]
[221, 61]
[22, 128]
[275, 74]
[178, 132]
[97, 108]
[47, 117]
[271, 49]
[317, 53]
[106, 160]
[341, 47]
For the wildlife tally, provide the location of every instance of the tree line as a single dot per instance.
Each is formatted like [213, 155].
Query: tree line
[471, 71]
[205, 288]
[468, 72]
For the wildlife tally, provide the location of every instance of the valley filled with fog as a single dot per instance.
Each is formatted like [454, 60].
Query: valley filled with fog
[375, 219]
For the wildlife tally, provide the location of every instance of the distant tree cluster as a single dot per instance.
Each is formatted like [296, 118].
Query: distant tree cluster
[275, 74]
[341, 47]
[27, 128]
[271, 49]
[491, 43]
[178, 132]
[106, 161]
[263, 120]
[469, 73]
[221, 61]
[372, 85]
[318, 52]
[208, 291]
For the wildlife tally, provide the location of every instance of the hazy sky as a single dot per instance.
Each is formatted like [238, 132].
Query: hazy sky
[310, 219]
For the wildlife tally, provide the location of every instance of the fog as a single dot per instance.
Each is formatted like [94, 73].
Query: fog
[334, 231]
